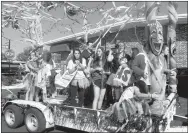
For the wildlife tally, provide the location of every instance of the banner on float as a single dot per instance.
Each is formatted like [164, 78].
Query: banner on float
[123, 75]
[64, 80]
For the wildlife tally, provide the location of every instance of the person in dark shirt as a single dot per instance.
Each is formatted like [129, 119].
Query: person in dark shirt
[99, 78]
[87, 52]
[112, 66]
[89, 93]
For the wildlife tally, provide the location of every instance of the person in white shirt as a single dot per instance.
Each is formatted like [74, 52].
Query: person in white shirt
[31, 78]
[44, 76]
[79, 82]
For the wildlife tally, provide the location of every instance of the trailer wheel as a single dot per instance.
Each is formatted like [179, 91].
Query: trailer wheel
[14, 116]
[35, 120]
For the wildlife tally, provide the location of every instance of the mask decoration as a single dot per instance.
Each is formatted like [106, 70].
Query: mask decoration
[156, 37]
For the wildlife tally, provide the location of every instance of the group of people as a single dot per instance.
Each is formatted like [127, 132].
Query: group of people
[39, 80]
[110, 73]
[113, 74]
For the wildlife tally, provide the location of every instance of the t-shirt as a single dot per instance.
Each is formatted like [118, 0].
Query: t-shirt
[43, 74]
[127, 94]
[80, 74]
[123, 75]
[113, 65]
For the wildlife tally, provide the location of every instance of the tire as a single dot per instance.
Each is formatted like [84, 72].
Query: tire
[14, 116]
[35, 121]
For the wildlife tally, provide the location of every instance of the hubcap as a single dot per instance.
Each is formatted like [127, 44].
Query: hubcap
[10, 117]
[32, 122]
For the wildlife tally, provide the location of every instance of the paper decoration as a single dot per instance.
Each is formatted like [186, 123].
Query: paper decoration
[64, 80]
[114, 4]
[123, 75]
[182, 54]
[34, 12]
[68, 29]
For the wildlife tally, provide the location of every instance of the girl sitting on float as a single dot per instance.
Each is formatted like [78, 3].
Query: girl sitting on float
[131, 103]
[131, 99]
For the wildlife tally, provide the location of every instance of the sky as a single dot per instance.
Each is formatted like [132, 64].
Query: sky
[60, 31]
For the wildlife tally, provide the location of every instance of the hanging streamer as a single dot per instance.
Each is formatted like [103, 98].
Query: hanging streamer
[33, 30]
[99, 44]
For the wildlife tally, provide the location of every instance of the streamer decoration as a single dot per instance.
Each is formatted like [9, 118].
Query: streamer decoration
[171, 38]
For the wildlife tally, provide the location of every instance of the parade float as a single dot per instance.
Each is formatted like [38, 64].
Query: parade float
[53, 112]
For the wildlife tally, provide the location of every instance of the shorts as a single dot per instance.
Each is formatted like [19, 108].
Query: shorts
[99, 83]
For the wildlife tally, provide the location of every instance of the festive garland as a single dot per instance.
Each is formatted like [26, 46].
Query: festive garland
[33, 12]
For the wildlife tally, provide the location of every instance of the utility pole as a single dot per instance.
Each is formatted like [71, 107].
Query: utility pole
[187, 56]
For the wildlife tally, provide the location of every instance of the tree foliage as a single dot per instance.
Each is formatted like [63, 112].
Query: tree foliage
[27, 17]
[24, 56]
[3, 57]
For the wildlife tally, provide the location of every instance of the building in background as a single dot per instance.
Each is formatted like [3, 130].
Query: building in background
[10, 68]
[132, 32]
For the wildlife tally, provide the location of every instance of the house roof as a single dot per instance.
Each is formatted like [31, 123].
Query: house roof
[60, 48]
[140, 22]
[13, 62]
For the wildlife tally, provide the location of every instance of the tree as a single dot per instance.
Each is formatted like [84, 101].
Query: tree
[28, 18]
[24, 56]
[3, 57]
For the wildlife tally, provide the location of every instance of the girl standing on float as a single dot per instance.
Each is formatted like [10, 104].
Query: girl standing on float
[99, 78]
[31, 78]
[118, 84]
[113, 65]
[79, 82]
[44, 75]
